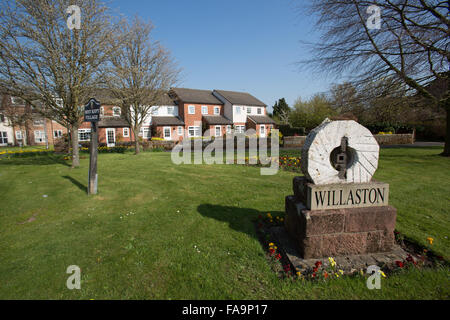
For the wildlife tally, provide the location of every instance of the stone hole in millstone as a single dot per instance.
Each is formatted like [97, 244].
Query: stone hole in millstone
[351, 156]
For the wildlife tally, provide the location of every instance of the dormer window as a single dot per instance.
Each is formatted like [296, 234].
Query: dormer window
[116, 112]
[259, 110]
[170, 110]
[249, 110]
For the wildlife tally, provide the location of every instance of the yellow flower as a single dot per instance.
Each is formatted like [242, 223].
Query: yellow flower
[361, 272]
[430, 240]
[332, 262]
[382, 273]
[271, 244]
[337, 276]
[342, 272]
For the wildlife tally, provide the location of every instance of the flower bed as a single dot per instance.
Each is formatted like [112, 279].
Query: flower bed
[286, 163]
[25, 153]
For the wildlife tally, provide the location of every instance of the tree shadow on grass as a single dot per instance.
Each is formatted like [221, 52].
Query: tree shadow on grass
[35, 160]
[239, 219]
[80, 186]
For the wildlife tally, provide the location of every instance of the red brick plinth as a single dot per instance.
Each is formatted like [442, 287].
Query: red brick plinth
[335, 232]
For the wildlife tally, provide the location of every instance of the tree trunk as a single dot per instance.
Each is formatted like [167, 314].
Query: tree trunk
[446, 152]
[75, 149]
[136, 142]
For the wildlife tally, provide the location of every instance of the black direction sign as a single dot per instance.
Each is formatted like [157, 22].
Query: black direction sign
[92, 111]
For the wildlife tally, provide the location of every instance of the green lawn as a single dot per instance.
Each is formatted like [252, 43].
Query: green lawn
[140, 237]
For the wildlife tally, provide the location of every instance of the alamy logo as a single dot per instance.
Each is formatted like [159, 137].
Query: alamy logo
[74, 20]
[374, 21]
[374, 281]
[74, 281]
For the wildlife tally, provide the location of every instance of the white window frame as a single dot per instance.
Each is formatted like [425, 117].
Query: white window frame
[220, 131]
[240, 129]
[228, 128]
[196, 130]
[180, 130]
[39, 136]
[259, 111]
[58, 133]
[38, 122]
[204, 108]
[249, 110]
[84, 132]
[102, 111]
[170, 133]
[114, 111]
[4, 138]
[238, 110]
[216, 110]
[19, 135]
[171, 110]
[127, 134]
[191, 109]
[262, 131]
[143, 131]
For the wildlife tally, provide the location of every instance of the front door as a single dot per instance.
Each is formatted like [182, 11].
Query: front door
[262, 131]
[110, 137]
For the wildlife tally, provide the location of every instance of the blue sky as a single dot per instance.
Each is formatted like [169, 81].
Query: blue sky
[240, 45]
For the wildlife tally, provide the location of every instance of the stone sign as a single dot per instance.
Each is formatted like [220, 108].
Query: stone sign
[340, 152]
[339, 196]
[336, 208]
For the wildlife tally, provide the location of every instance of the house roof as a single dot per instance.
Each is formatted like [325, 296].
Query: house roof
[196, 96]
[167, 121]
[240, 98]
[261, 119]
[216, 120]
[112, 122]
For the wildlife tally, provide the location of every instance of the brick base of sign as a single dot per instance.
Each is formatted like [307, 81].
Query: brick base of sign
[350, 263]
[339, 232]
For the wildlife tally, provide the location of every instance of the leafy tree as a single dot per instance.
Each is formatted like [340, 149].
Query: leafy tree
[309, 114]
[281, 110]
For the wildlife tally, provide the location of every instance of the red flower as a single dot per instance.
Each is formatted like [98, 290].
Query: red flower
[315, 269]
[287, 268]
[325, 275]
[314, 275]
[272, 251]
[399, 264]
[318, 264]
[278, 256]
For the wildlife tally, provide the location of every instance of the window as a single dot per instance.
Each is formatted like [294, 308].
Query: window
[126, 132]
[180, 131]
[39, 136]
[228, 129]
[38, 122]
[240, 129]
[191, 109]
[145, 133]
[218, 131]
[249, 110]
[170, 110]
[57, 133]
[2, 118]
[216, 110]
[19, 135]
[259, 110]
[194, 131]
[17, 101]
[84, 134]
[3, 137]
[116, 112]
[102, 111]
[238, 110]
[155, 111]
[167, 132]
[204, 110]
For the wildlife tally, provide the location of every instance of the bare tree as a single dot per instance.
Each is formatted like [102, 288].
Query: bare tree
[46, 63]
[409, 45]
[140, 74]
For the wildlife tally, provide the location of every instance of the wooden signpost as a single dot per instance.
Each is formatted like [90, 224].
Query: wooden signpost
[92, 115]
